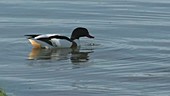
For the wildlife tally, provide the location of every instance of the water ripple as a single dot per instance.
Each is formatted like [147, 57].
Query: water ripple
[129, 55]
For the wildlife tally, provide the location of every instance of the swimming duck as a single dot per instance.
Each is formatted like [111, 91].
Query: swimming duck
[57, 40]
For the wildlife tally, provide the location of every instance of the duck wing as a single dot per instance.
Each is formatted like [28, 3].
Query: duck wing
[48, 38]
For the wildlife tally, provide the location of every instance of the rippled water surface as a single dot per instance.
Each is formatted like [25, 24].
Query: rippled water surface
[128, 57]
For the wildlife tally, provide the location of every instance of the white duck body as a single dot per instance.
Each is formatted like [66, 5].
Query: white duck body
[55, 42]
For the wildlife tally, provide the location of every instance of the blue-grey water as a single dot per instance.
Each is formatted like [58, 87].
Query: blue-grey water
[130, 55]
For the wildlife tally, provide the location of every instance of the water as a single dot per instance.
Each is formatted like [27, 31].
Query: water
[128, 57]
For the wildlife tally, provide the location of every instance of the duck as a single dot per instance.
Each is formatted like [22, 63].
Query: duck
[57, 40]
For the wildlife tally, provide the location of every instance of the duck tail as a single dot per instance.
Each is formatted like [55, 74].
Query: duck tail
[31, 36]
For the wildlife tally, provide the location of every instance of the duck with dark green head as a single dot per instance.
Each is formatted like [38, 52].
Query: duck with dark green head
[57, 40]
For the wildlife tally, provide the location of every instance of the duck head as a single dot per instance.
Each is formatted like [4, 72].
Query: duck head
[80, 32]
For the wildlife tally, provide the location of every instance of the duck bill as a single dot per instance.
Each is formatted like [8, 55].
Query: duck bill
[89, 36]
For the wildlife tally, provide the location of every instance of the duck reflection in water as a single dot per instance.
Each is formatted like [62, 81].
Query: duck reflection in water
[75, 55]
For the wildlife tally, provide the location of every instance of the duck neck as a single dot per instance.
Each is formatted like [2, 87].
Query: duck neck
[75, 43]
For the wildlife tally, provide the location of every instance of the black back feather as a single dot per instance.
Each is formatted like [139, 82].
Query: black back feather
[61, 37]
[31, 36]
